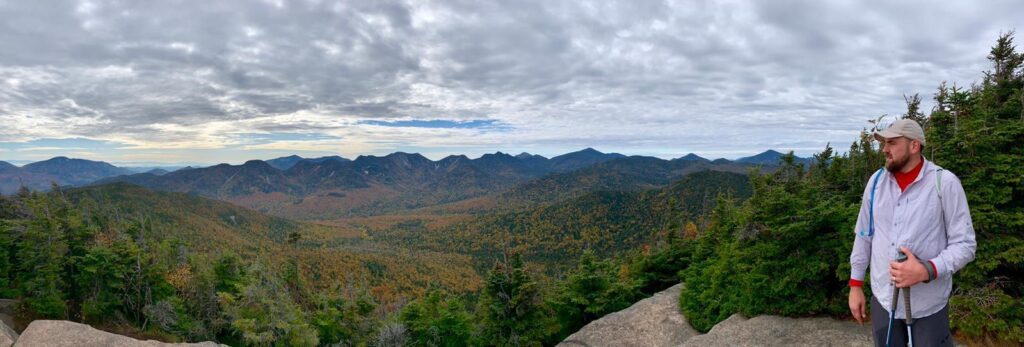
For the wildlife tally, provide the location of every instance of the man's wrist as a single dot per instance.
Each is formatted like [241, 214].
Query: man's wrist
[929, 271]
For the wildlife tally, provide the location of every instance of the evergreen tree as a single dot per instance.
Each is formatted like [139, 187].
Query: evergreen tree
[263, 313]
[8, 240]
[437, 320]
[593, 290]
[41, 262]
[977, 134]
[510, 312]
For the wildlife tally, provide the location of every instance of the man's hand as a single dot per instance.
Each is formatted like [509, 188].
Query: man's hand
[907, 273]
[857, 304]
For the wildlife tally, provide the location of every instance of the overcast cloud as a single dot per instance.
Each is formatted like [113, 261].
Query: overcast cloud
[226, 81]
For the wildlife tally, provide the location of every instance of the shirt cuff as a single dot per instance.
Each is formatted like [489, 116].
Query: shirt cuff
[856, 283]
[938, 265]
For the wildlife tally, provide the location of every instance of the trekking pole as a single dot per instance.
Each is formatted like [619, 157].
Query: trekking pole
[896, 298]
[910, 317]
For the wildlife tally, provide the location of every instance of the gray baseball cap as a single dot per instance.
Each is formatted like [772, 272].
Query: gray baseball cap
[902, 128]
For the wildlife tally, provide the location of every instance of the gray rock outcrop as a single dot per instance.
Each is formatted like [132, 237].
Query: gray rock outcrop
[7, 307]
[655, 321]
[781, 331]
[64, 333]
[7, 335]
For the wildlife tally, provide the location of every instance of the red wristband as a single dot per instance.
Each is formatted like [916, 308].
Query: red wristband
[856, 283]
[934, 269]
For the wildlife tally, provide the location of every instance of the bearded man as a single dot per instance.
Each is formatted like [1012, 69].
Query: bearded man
[916, 207]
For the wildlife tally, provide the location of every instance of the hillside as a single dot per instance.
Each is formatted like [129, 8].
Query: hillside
[331, 254]
[199, 221]
[555, 234]
[626, 174]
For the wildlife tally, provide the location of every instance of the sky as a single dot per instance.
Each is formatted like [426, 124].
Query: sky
[149, 82]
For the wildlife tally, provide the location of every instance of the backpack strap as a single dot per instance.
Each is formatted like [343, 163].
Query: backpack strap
[938, 191]
[871, 205]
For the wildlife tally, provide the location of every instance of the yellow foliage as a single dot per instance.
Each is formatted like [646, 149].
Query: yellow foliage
[180, 277]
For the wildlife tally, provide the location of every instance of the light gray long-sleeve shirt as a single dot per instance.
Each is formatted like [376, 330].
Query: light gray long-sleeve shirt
[913, 219]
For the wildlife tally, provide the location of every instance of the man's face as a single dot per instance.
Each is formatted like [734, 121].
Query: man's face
[898, 151]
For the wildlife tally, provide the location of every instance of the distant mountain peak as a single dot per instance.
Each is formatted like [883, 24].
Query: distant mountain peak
[404, 155]
[769, 157]
[329, 157]
[498, 154]
[525, 156]
[590, 152]
[692, 157]
[66, 171]
[255, 163]
[284, 163]
[582, 158]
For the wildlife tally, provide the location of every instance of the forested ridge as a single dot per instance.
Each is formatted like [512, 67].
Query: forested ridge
[777, 243]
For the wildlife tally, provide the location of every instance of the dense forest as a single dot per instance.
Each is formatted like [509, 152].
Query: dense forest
[139, 269]
[773, 243]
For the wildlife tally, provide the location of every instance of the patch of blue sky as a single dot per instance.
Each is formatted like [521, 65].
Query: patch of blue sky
[439, 124]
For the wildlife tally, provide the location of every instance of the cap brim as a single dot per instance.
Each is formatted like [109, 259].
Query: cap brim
[883, 135]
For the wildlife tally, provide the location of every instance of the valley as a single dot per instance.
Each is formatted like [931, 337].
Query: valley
[399, 222]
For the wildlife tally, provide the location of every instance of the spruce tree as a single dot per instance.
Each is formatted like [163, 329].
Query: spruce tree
[510, 310]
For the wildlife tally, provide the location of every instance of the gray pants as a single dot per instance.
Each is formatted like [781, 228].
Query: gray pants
[928, 331]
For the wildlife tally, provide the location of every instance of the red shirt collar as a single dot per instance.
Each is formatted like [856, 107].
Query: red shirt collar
[904, 179]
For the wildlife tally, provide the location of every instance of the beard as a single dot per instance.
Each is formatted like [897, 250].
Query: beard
[897, 164]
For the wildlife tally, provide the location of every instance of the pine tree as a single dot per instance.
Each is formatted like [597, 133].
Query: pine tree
[510, 311]
[977, 134]
[41, 262]
[437, 320]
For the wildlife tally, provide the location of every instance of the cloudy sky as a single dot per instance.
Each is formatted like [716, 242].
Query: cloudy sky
[225, 81]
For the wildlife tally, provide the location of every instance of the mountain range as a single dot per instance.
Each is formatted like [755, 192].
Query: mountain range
[61, 170]
[331, 187]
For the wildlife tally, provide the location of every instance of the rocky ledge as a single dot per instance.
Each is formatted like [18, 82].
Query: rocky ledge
[656, 321]
[65, 333]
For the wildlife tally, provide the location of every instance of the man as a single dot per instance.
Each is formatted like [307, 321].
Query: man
[929, 221]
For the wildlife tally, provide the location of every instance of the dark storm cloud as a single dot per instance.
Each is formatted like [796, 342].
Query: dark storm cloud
[652, 77]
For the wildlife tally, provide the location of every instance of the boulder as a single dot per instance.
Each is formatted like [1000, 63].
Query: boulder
[7, 335]
[7, 307]
[781, 331]
[655, 321]
[63, 333]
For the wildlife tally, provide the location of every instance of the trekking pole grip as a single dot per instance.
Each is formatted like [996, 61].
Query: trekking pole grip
[902, 257]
